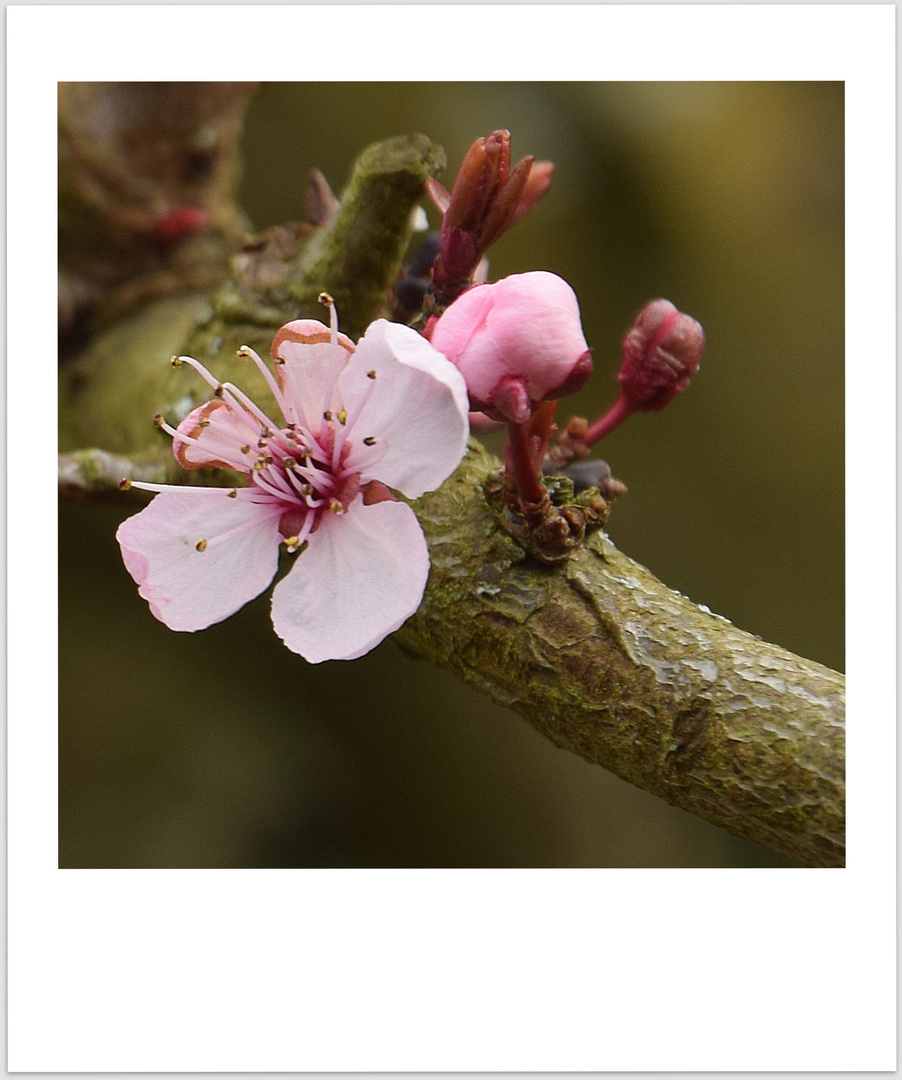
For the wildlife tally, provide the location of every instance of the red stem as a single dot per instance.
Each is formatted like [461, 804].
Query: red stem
[618, 412]
[525, 469]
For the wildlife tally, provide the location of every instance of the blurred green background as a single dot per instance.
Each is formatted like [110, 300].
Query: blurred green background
[223, 749]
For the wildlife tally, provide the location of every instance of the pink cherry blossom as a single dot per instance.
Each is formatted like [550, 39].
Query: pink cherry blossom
[517, 342]
[390, 413]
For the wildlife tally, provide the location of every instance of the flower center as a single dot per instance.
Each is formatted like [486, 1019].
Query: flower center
[298, 472]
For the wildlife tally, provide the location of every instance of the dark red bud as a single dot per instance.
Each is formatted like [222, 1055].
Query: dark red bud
[660, 355]
[487, 197]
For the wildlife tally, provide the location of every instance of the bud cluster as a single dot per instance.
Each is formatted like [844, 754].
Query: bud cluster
[519, 343]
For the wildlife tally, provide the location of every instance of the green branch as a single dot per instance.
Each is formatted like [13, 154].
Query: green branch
[609, 663]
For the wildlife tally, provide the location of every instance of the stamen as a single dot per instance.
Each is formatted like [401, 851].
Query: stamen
[328, 301]
[344, 433]
[188, 489]
[305, 490]
[254, 409]
[364, 462]
[275, 484]
[226, 391]
[170, 430]
[319, 480]
[177, 361]
[299, 540]
[246, 352]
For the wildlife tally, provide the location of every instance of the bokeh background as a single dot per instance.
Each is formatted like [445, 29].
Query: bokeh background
[222, 749]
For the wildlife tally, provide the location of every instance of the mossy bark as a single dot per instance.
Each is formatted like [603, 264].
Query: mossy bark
[611, 664]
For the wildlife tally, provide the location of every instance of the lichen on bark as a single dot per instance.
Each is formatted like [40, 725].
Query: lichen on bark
[612, 665]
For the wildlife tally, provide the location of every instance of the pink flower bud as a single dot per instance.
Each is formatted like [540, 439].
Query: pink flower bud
[660, 355]
[517, 342]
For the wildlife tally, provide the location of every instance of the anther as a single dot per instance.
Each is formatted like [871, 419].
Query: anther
[343, 416]
[158, 420]
[233, 494]
[327, 415]
[371, 374]
[219, 391]
[325, 299]
[245, 449]
[201, 545]
[204, 421]
[124, 484]
[336, 507]
[291, 542]
[244, 352]
[370, 440]
[175, 361]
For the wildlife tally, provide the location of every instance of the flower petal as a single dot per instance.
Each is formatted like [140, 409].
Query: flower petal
[309, 366]
[416, 406]
[222, 432]
[460, 335]
[361, 577]
[188, 588]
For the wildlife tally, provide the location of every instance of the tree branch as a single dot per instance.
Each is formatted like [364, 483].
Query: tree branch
[609, 663]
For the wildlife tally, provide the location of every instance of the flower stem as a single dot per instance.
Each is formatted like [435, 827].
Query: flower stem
[523, 466]
[619, 411]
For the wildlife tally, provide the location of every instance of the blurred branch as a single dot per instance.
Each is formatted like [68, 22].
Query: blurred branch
[597, 653]
[147, 173]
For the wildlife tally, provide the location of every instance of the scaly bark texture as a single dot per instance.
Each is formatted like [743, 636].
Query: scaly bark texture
[611, 664]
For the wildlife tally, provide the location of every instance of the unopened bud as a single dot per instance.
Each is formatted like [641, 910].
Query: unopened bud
[517, 342]
[660, 355]
[487, 198]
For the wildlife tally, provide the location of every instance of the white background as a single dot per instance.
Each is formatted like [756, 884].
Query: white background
[449, 970]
